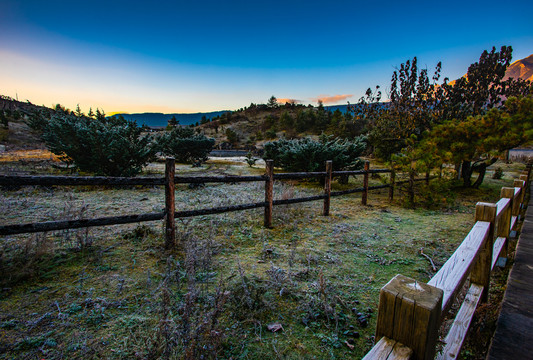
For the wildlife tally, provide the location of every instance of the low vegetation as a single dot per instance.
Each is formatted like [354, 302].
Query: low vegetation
[308, 288]
[310, 155]
[185, 145]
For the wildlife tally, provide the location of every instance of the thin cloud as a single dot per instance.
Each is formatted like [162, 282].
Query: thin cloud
[332, 99]
[288, 100]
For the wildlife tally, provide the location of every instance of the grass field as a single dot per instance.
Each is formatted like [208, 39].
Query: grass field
[308, 288]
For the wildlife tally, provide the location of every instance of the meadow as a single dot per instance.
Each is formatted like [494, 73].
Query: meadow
[307, 288]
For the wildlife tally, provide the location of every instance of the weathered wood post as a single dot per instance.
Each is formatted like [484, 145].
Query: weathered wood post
[427, 177]
[269, 192]
[527, 172]
[483, 266]
[364, 197]
[522, 185]
[170, 207]
[504, 223]
[409, 312]
[327, 187]
[392, 182]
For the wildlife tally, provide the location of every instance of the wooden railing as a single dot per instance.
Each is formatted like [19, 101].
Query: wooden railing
[170, 214]
[410, 312]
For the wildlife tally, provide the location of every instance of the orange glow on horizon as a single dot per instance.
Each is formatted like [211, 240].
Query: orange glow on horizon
[326, 99]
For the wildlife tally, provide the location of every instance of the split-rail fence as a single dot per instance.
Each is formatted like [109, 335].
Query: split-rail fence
[170, 179]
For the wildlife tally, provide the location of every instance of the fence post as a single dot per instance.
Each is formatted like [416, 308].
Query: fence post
[364, 198]
[327, 187]
[504, 224]
[269, 192]
[520, 200]
[527, 172]
[409, 312]
[482, 268]
[392, 182]
[170, 207]
[427, 177]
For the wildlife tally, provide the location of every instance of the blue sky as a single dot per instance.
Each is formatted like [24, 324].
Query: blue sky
[191, 56]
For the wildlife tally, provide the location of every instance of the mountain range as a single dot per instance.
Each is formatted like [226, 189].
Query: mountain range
[160, 119]
[155, 120]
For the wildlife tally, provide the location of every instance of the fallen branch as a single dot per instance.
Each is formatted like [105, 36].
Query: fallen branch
[429, 259]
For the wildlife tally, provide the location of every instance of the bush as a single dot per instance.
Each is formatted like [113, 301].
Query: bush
[185, 145]
[38, 120]
[498, 173]
[310, 155]
[3, 119]
[107, 146]
[438, 194]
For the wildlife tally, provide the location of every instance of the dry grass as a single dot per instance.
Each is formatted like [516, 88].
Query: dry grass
[113, 292]
[27, 155]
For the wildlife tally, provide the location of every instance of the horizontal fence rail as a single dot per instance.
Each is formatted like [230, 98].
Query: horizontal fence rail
[170, 180]
[410, 312]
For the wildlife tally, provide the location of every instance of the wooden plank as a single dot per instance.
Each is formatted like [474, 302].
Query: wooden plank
[298, 200]
[12, 180]
[409, 312]
[387, 349]
[502, 205]
[514, 219]
[301, 175]
[456, 336]
[77, 224]
[217, 179]
[499, 244]
[452, 275]
[218, 210]
[360, 172]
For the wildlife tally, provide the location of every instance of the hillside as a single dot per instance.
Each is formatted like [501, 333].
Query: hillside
[522, 69]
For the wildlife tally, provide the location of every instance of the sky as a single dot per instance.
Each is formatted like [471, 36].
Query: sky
[199, 56]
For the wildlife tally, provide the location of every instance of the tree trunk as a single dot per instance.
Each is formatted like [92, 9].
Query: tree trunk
[466, 173]
[482, 169]
[458, 171]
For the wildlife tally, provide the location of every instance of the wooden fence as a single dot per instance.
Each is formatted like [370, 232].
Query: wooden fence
[410, 312]
[169, 181]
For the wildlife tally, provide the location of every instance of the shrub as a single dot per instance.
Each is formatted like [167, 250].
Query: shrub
[3, 119]
[310, 155]
[250, 159]
[107, 146]
[38, 120]
[270, 134]
[498, 173]
[185, 145]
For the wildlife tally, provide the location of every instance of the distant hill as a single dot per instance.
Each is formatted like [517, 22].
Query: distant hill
[522, 69]
[333, 108]
[160, 119]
